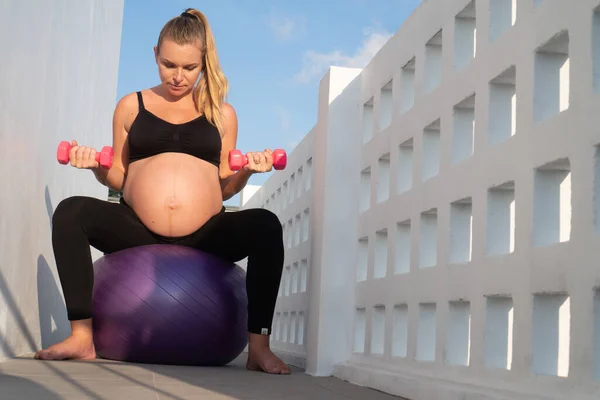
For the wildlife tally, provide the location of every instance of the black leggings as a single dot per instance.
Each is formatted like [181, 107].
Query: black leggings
[79, 222]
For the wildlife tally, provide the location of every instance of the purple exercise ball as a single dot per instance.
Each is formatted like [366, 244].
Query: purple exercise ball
[169, 304]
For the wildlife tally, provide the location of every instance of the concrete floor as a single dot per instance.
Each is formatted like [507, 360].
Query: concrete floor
[25, 378]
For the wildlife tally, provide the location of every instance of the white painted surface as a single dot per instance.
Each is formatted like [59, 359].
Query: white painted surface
[59, 83]
[454, 242]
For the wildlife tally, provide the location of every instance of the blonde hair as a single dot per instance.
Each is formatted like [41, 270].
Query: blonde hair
[189, 28]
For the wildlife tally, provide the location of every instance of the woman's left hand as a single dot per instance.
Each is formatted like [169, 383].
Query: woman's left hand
[259, 162]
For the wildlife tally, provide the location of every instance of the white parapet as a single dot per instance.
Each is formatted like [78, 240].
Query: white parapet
[452, 224]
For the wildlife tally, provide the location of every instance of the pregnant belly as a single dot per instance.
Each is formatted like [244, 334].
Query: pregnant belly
[173, 194]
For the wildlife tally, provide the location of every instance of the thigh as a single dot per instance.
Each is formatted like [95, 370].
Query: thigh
[109, 227]
[236, 235]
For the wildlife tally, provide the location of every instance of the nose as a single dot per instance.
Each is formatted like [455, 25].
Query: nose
[178, 75]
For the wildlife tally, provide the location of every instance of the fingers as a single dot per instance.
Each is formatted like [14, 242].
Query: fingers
[82, 156]
[259, 161]
[269, 158]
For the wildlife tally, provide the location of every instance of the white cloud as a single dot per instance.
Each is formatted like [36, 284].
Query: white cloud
[285, 27]
[316, 64]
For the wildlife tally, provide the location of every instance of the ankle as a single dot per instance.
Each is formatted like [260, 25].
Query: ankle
[258, 342]
[82, 328]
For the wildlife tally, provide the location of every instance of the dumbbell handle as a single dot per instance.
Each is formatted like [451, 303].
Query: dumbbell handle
[237, 160]
[104, 157]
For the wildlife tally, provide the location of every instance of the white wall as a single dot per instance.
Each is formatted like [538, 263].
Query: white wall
[59, 79]
[470, 214]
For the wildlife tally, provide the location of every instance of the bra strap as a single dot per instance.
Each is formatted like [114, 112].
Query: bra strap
[140, 100]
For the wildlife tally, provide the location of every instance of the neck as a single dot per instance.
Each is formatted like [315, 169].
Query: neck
[187, 96]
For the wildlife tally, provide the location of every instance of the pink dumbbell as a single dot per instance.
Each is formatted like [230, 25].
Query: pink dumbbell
[237, 160]
[104, 157]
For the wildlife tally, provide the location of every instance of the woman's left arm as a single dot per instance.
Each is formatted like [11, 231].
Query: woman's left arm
[233, 182]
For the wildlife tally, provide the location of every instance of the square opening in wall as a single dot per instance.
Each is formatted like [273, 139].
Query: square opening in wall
[360, 326]
[503, 16]
[284, 195]
[465, 36]
[297, 226]
[378, 330]
[287, 281]
[597, 189]
[286, 326]
[303, 275]
[400, 331]
[386, 104]
[305, 224]
[292, 190]
[463, 139]
[299, 183]
[461, 231]
[402, 264]
[383, 182]
[407, 86]
[405, 167]
[365, 189]
[362, 267]
[552, 203]
[277, 326]
[381, 254]
[367, 121]
[426, 334]
[293, 328]
[433, 62]
[596, 49]
[551, 81]
[308, 176]
[503, 106]
[551, 334]
[428, 239]
[301, 329]
[295, 274]
[500, 233]
[458, 337]
[498, 339]
[290, 234]
[596, 334]
[431, 151]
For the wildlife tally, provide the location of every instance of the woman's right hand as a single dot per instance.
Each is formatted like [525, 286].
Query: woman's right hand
[82, 157]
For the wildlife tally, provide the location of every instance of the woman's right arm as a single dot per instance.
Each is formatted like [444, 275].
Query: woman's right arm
[114, 177]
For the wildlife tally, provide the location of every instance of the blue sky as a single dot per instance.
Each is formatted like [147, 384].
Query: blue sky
[273, 53]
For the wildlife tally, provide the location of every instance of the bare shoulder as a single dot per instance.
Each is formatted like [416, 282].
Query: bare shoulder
[127, 108]
[229, 112]
[230, 122]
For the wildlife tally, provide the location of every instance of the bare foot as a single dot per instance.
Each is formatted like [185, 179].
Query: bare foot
[261, 358]
[78, 346]
[264, 360]
[75, 347]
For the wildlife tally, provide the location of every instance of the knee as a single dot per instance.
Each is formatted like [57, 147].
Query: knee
[269, 221]
[68, 210]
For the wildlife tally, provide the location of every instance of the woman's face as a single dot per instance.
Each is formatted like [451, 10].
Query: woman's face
[179, 66]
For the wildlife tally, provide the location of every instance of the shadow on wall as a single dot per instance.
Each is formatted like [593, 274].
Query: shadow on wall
[54, 324]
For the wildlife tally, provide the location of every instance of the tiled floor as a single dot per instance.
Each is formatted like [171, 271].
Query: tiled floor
[25, 378]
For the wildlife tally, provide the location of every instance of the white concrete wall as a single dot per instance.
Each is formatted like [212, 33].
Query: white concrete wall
[288, 193]
[59, 79]
[470, 213]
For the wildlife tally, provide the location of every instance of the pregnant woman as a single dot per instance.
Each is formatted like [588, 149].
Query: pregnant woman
[171, 145]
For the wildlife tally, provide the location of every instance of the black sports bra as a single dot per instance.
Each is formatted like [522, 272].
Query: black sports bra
[150, 135]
